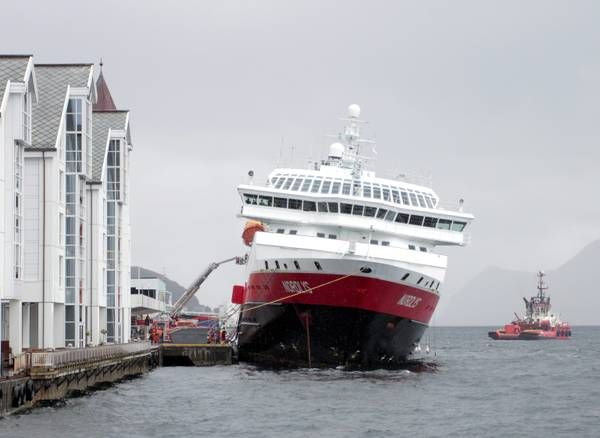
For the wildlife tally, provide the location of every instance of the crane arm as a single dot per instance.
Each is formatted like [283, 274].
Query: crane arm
[191, 291]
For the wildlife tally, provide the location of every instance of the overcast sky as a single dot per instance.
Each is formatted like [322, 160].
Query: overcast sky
[498, 102]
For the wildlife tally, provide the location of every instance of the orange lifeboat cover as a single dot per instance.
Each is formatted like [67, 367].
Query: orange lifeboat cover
[250, 230]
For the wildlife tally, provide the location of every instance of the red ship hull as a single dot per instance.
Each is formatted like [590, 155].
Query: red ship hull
[360, 319]
[514, 332]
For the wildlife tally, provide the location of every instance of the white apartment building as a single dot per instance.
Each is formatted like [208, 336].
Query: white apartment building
[17, 93]
[71, 285]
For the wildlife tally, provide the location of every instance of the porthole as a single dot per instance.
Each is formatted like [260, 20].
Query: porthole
[296, 264]
[366, 270]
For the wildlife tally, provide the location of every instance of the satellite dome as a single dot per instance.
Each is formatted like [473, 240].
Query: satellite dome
[354, 111]
[336, 150]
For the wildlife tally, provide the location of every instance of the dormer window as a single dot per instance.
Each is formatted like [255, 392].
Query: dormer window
[74, 132]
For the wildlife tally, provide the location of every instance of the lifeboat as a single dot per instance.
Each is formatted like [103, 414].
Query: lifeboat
[250, 230]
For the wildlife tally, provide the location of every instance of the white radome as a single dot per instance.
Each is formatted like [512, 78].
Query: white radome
[354, 111]
[336, 150]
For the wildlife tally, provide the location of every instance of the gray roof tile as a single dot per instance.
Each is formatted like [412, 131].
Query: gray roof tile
[12, 68]
[52, 82]
[102, 121]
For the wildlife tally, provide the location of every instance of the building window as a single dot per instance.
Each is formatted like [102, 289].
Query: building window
[27, 117]
[113, 172]
[18, 215]
[74, 136]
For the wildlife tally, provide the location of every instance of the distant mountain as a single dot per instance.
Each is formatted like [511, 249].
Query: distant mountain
[175, 288]
[492, 297]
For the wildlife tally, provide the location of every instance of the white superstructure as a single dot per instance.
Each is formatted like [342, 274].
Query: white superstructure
[340, 211]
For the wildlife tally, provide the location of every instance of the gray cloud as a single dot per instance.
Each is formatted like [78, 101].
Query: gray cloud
[498, 101]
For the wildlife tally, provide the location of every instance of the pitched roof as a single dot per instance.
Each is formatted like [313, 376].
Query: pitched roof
[102, 122]
[104, 100]
[52, 81]
[12, 68]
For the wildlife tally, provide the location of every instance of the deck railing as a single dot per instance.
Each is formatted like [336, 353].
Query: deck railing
[21, 362]
[73, 356]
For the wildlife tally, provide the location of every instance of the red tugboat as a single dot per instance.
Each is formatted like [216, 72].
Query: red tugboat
[538, 322]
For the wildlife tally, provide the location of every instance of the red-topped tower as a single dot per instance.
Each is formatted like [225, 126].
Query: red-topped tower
[104, 100]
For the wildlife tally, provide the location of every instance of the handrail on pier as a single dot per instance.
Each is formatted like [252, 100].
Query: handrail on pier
[73, 356]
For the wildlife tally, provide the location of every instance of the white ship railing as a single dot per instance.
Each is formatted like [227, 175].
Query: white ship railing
[54, 359]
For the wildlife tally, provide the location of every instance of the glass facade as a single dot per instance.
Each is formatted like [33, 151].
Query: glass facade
[77, 133]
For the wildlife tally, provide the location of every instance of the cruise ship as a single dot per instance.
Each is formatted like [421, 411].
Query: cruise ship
[343, 267]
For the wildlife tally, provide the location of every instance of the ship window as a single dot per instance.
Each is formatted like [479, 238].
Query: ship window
[423, 249]
[421, 201]
[284, 267]
[333, 207]
[335, 188]
[411, 247]
[296, 264]
[297, 183]
[356, 188]
[322, 207]
[390, 216]
[309, 206]
[279, 183]
[265, 201]
[318, 266]
[420, 280]
[332, 236]
[405, 276]
[381, 213]
[250, 199]
[293, 232]
[385, 243]
[414, 219]
[386, 194]
[266, 265]
[396, 196]
[306, 184]
[321, 235]
[374, 242]
[458, 226]
[325, 186]
[346, 208]
[370, 211]
[274, 180]
[428, 201]
[276, 264]
[367, 190]
[376, 192]
[346, 188]
[280, 202]
[444, 224]
[357, 210]
[404, 198]
[430, 222]
[413, 199]
[295, 204]
[316, 186]
[280, 231]
[402, 218]
[288, 183]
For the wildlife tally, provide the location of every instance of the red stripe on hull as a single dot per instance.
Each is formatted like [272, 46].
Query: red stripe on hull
[355, 292]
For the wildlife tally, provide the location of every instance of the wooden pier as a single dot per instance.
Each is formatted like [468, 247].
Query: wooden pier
[54, 375]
